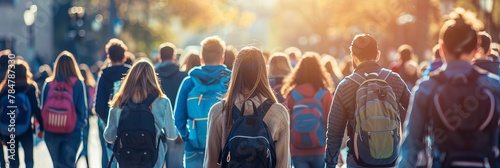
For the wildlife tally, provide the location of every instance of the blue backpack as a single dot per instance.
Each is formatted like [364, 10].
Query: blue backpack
[307, 127]
[15, 107]
[200, 100]
[249, 143]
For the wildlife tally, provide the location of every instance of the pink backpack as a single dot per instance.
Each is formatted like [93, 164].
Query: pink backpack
[58, 113]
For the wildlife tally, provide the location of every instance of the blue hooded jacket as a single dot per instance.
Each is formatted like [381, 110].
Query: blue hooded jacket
[207, 74]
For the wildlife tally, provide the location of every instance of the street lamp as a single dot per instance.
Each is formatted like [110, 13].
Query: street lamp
[29, 19]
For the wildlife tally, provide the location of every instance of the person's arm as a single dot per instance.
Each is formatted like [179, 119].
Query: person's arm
[35, 105]
[45, 92]
[327, 103]
[415, 128]
[101, 99]
[110, 131]
[170, 130]
[214, 137]
[337, 120]
[181, 114]
[282, 141]
[80, 100]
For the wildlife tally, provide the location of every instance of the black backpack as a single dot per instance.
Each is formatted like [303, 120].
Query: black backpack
[464, 121]
[135, 146]
[249, 143]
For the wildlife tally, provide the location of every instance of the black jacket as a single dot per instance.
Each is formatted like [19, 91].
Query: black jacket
[170, 78]
[105, 88]
[32, 95]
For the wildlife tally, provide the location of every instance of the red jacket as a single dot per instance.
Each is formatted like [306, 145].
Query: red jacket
[307, 90]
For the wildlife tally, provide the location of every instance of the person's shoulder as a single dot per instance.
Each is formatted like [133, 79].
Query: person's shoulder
[278, 110]
[216, 110]
[162, 100]
[491, 80]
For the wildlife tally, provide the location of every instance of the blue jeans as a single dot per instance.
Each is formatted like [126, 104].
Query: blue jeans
[194, 159]
[63, 148]
[175, 154]
[27, 142]
[311, 161]
[107, 149]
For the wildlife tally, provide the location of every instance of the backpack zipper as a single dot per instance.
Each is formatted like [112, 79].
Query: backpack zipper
[249, 137]
[199, 99]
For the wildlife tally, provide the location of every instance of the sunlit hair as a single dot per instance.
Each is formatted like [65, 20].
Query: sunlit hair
[116, 49]
[65, 67]
[192, 60]
[249, 78]
[459, 34]
[22, 73]
[140, 81]
[364, 47]
[46, 68]
[279, 65]
[87, 75]
[167, 51]
[308, 70]
[212, 50]
[331, 66]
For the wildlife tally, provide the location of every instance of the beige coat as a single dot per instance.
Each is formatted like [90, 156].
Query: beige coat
[277, 120]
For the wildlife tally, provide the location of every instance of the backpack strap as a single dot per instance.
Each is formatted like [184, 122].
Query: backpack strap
[384, 74]
[297, 96]
[264, 107]
[357, 78]
[321, 92]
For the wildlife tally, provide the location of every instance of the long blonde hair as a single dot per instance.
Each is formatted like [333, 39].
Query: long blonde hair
[249, 78]
[139, 83]
[65, 67]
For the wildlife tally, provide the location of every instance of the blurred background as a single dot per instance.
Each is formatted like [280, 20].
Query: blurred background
[39, 30]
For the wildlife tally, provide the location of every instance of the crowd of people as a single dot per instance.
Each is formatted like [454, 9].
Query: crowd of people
[227, 108]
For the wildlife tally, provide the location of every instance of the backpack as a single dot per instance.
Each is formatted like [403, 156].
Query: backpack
[116, 87]
[15, 108]
[200, 100]
[136, 136]
[377, 124]
[307, 126]
[249, 143]
[464, 121]
[58, 113]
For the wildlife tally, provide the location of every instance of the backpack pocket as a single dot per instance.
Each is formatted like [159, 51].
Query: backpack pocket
[307, 131]
[381, 144]
[198, 132]
[377, 148]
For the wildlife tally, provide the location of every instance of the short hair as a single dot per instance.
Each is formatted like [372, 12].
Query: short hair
[212, 49]
[116, 49]
[405, 52]
[364, 47]
[485, 41]
[229, 56]
[167, 51]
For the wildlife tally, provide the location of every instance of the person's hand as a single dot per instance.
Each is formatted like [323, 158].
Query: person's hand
[40, 134]
[178, 139]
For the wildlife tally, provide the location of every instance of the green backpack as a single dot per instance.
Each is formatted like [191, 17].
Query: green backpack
[377, 122]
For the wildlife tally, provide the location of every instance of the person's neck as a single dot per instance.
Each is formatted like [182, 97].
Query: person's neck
[117, 63]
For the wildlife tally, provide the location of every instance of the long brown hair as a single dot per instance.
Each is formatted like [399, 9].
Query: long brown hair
[308, 70]
[249, 78]
[140, 82]
[65, 67]
[22, 75]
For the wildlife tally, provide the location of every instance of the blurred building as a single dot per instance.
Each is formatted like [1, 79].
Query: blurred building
[34, 43]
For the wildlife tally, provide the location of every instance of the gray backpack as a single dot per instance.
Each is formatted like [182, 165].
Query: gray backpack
[377, 122]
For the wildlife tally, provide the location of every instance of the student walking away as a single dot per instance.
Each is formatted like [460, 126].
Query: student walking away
[435, 64]
[458, 106]
[199, 91]
[482, 58]
[308, 98]
[192, 60]
[64, 111]
[406, 68]
[332, 67]
[140, 120]
[229, 56]
[19, 79]
[90, 83]
[248, 118]
[109, 81]
[367, 101]
[170, 79]
[279, 68]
